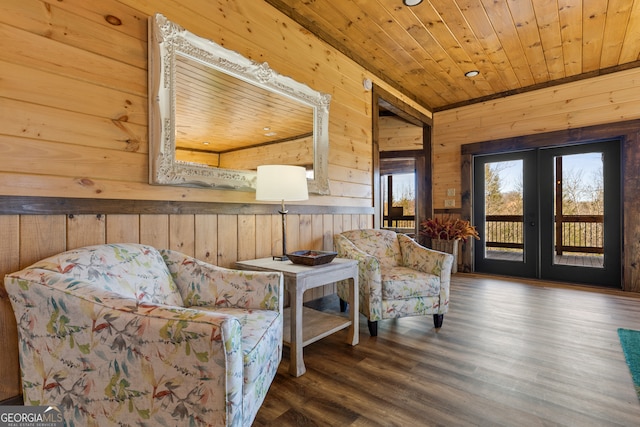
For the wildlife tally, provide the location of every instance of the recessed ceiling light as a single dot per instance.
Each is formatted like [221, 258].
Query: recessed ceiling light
[411, 3]
[472, 73]
[205, 142]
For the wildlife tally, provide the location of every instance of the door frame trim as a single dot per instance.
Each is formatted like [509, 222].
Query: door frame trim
[627, 132]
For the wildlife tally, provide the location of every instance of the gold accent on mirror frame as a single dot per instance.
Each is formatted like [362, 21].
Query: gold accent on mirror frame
[190, 79]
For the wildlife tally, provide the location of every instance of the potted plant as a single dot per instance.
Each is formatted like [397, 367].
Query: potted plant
[446, 234]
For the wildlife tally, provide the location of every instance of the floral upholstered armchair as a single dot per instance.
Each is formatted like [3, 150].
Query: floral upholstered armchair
[125, 334]
[397, 276]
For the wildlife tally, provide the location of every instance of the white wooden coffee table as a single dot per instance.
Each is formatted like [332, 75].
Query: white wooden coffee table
[303, 325]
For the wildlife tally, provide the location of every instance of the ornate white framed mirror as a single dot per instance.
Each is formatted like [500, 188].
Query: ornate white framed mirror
[214, 115]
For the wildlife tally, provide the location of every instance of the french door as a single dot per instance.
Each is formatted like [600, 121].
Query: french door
[550, 213]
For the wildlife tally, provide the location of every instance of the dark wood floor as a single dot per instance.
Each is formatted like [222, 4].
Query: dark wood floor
[510, 353]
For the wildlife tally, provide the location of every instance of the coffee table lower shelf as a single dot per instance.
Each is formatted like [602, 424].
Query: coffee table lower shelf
[316, 325]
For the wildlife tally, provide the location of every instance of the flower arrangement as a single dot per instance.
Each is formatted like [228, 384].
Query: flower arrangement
[448, 229]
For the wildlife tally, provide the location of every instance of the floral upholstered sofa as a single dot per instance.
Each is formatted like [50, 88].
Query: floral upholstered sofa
[397, 276]
[125, 334]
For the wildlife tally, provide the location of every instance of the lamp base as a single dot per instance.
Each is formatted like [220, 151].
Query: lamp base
[280, 258]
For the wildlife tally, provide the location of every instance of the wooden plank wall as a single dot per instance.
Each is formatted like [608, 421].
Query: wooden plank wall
[74, 95]
[73, 123]
[603, 100]
[398, 135]
[609, 98]
[296, 152]
[219, 239]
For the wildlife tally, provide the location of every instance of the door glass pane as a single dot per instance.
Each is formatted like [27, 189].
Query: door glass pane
[399, 201]
[504, 209]
[579, 210]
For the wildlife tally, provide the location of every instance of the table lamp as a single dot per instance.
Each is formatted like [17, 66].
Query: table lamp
[282, 183]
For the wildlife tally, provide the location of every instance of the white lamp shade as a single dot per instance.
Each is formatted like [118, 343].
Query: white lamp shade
[281, 183]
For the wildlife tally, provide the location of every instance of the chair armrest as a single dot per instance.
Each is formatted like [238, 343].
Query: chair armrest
[202, 284]
[416, 256]
[369, 276]
[131, 355]
[346, 249]
[420, 258]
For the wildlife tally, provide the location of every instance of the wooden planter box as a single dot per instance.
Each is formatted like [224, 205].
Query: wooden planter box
[450, 247]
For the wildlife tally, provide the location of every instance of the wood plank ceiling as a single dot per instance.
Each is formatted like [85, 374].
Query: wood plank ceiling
[209, 103]
[517, 45]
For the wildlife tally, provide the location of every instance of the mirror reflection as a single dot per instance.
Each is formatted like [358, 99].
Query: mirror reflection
[210, 104]
[215, 115]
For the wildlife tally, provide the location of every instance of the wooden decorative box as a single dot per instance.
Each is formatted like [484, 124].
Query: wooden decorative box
[308, 257]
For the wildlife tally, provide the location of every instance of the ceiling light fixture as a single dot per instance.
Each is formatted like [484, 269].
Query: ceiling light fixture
[411, 3]
[471, 73]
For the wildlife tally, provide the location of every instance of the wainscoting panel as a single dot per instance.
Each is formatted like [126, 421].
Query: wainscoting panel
[220, 239]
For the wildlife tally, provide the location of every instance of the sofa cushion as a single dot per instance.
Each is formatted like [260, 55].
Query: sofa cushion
[131, 270]
[403, 282]
[261, 341]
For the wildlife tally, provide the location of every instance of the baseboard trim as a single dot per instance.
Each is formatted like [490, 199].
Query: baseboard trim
[13, 401]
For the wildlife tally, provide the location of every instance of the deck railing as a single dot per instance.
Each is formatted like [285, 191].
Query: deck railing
[574, 233]
[408, 221]
[397, 220]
